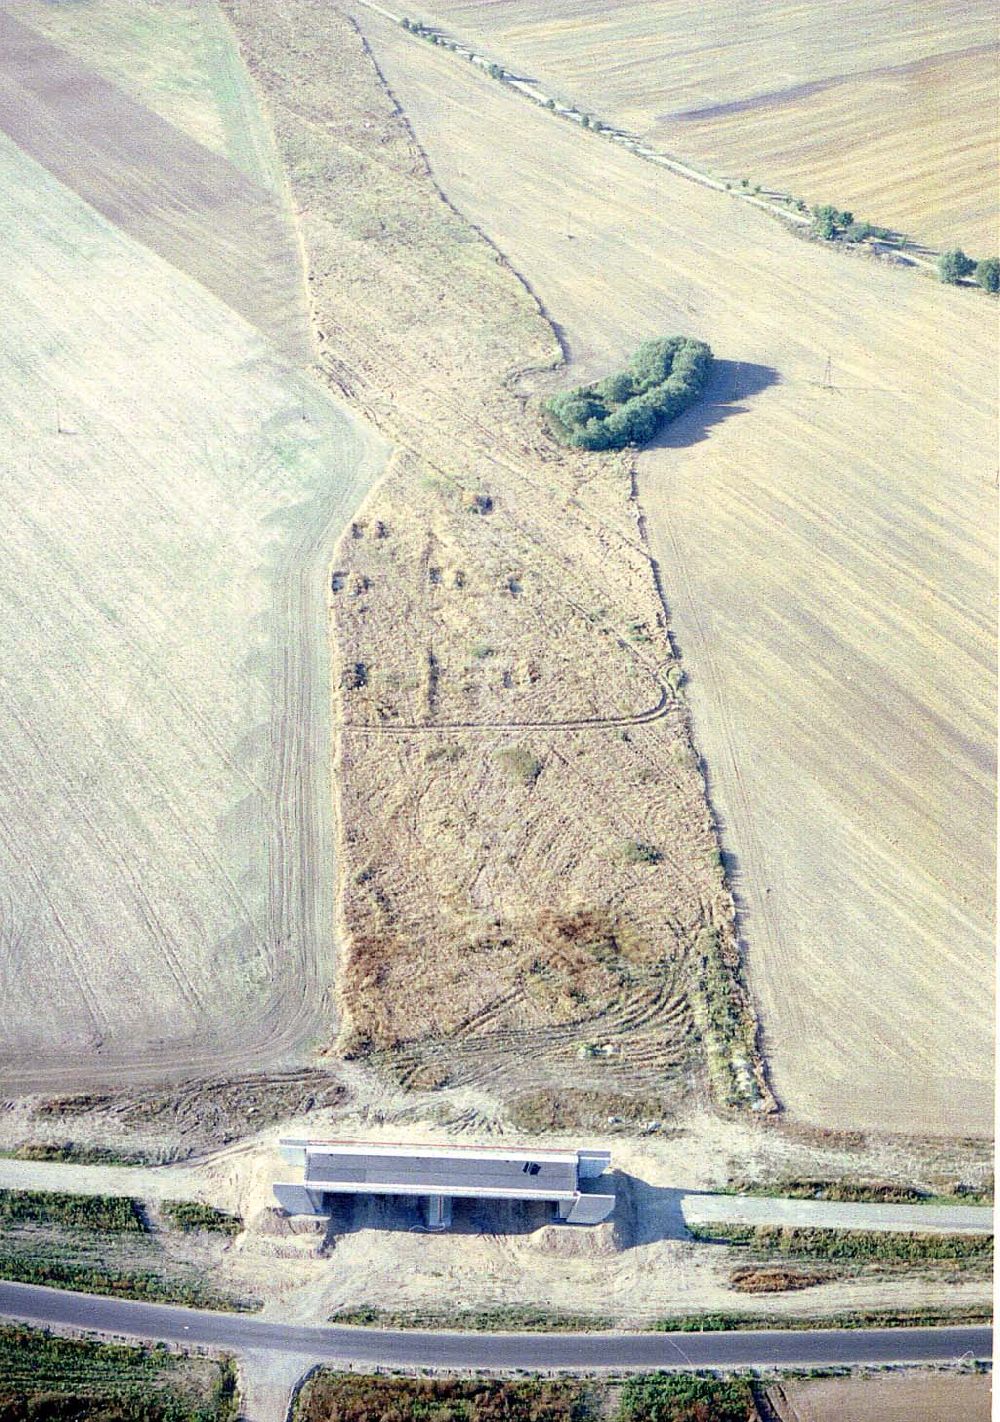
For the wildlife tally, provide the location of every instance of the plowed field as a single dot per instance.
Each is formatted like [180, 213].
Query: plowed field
[884, 106]
[172, 491]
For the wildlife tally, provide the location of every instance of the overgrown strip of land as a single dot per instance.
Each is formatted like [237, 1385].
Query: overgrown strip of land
[497, 915]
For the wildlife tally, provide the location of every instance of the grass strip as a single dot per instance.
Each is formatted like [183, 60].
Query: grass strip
[861, 1192]
[113, 1213]
[145, 1285]
[191, 1216]
[505, 1318]
[859, 1246]
[860, 1318]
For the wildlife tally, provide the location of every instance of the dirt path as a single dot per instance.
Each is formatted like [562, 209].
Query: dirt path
[832, 1214]
[165, 1182]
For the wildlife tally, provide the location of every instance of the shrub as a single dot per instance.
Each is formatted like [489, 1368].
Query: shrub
[521, 764]
[190, 1215]
[635, 852]
[988, 274]
[829, 222]
[663, 378]
[954, 265]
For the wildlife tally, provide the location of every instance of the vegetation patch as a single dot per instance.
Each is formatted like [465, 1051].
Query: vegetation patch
[661, 381]
[521, 765]
[726, 1020]
[192, 1216]
[73, 1153]
[863, 1192]
[348, 1397]
[44, 1266]
[764, 1280]
[686, 1397]
[861, 1318]
[573, 1108]
[50, 1379]
[114, 1213]
[504, 1318]
[859, 1246]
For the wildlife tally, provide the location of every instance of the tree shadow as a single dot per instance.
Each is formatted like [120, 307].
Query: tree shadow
[730, 384]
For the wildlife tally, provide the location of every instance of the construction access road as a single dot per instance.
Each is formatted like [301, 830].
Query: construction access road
[572, 1352]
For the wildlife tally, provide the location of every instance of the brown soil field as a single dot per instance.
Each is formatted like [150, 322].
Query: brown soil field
[886, 108]
[172, 492]
[827, 553]
[180, 199]
[175, 57]
[509, 725]
[933, 1397]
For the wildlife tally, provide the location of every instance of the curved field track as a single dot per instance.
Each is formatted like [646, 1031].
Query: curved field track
[884, 106]
[171, 493]
[824, 527]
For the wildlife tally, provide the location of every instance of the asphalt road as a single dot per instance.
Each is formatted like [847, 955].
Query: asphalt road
[583, 1352]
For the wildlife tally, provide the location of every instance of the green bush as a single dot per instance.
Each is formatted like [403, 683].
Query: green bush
[685, 1397]
[988, 273]
[663, 378]
[954, 265]
[190, 1215]
[829, 222]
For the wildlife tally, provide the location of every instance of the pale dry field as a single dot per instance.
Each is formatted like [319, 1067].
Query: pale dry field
[887, 108]
[172, 493]
[828, 561]
[931, 1397]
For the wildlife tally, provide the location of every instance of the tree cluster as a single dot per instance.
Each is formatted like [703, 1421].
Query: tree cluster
[954, 266]
[833, 224]
[662, 379]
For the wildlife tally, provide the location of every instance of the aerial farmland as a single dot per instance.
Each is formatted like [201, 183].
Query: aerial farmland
[499, 622]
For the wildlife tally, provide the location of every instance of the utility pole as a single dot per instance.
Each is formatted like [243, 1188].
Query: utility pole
[828, 375]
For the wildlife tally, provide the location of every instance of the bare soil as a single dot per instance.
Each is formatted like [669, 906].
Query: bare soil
[180, 199]
[933, 1397]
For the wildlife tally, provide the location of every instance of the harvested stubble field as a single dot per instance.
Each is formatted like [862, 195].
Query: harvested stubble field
[884, 106]
[172, 491]
[933, 1397]
[510, 734]
[827, 552]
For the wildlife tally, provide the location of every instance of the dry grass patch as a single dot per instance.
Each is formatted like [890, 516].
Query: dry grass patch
[488, 592]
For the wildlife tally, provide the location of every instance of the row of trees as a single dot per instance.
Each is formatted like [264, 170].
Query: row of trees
[662, 379]
[954, 266]
[832, 224]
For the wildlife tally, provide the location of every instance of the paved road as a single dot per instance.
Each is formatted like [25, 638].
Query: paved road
[831, 1214]
[583, 1352]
